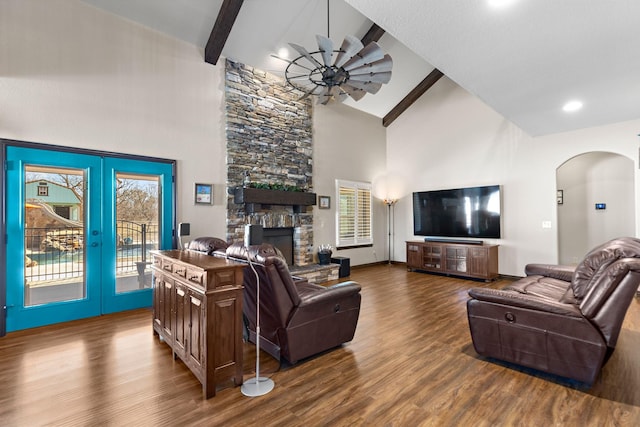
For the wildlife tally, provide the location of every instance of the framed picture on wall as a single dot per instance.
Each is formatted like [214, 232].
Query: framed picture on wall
[324, 202]
[204, 194]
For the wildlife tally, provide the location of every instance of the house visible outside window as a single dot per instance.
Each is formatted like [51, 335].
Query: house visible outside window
[353, 215]
[43, 189]
[63, 211]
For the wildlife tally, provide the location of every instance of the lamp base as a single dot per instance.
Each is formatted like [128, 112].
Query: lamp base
[257, 386]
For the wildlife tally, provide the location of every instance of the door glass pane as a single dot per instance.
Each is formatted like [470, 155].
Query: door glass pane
[54, 235]
[137, 231]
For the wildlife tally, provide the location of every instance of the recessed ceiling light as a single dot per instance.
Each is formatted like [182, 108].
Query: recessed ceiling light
[572, 106]
[283, 52]
[500, 3]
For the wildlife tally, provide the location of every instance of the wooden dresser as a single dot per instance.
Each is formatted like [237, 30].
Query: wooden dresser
[197, 311]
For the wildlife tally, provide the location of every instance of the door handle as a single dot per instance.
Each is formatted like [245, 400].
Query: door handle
[94, 244]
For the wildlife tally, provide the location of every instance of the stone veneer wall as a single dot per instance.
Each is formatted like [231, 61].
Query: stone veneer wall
[269, 137]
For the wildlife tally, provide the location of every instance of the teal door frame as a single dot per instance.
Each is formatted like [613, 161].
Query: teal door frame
[168, 201]
[21, 316]
[111, 301]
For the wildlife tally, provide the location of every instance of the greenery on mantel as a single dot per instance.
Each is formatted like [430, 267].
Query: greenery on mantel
[280, 187]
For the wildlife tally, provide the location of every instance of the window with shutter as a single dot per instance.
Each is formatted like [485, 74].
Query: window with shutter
[353, 213]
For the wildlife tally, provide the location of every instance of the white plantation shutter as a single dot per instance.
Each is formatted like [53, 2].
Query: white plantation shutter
[353, 213]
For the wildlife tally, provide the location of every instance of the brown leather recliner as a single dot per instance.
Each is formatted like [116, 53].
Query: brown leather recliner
[559, 319]
[297, 319]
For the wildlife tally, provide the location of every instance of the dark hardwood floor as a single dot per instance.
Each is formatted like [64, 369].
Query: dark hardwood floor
[411, 363]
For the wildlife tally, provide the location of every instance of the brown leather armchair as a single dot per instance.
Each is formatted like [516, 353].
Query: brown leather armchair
[559, 319]
[297, 319]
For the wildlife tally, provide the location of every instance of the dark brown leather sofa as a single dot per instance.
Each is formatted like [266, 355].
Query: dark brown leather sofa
[558, 319]
[297, 319]
[209, 245]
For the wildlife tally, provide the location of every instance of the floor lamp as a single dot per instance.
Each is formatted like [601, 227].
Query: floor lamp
[257, 386]
[389, 203]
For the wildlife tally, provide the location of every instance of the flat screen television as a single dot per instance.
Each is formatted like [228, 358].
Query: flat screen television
[463, 212]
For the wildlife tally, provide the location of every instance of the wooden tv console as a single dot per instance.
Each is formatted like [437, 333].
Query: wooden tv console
[460, 259]
[197, 311]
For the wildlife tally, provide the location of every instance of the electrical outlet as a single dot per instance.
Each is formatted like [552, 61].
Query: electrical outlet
[546, 224]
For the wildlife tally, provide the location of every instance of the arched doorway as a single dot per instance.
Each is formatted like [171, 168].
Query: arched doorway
[590, 179]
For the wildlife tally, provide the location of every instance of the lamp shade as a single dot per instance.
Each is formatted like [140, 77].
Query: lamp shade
[389, 186]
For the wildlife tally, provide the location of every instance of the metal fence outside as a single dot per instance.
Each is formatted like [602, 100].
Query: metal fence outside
[56, 253]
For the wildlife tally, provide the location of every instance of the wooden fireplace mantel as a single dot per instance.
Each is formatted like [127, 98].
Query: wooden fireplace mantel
[254, 198]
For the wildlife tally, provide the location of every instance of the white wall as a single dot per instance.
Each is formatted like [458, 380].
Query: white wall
[585, 180]
[450, 139]
[348, 144]
[76, 76]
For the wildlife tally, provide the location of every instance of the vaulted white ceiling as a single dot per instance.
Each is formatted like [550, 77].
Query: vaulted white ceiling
[525, 59]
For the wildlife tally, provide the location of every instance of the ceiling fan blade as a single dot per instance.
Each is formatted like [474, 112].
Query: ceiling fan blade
[372, 77]
[337, 94]
[324, 96]
[307, 94]
[326, 48]
[290, 62]
[350, 46]
[381, 66]
[370, 87]
[332, 94]
[302, 51]
[353, 92]
[371, 53]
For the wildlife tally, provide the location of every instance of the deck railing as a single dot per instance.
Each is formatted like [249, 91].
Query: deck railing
[55, 253]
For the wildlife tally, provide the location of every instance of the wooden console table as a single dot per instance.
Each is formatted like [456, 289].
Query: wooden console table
[467, 260]
[197, 311]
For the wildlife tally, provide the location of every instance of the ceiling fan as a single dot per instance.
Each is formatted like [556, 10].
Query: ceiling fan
[355, 71]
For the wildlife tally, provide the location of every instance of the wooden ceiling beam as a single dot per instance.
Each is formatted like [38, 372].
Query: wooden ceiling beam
[373, 35]
[412, 97]
[221, 29]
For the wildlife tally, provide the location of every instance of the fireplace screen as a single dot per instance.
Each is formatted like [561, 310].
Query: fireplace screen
[281, 238]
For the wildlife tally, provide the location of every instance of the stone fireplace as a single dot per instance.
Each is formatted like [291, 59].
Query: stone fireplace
[269, 145]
